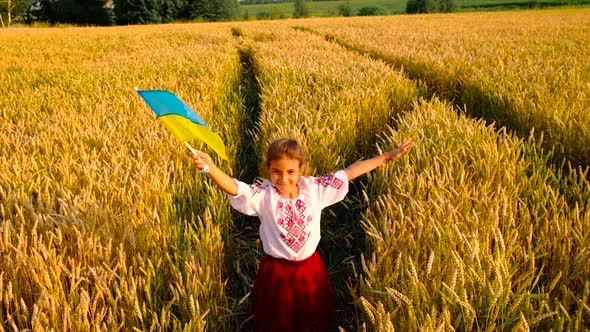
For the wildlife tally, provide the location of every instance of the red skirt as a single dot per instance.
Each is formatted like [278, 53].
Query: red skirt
[292, 295]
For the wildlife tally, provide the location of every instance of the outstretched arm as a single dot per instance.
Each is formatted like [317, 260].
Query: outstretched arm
[223, 181]
[361, 167]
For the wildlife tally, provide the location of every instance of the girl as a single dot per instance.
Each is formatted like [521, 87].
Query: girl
[292, 290]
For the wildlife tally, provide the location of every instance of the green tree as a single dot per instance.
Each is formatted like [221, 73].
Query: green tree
[137, 11]
[345, 10]
[148, 11]
[371, 11]
[431, 6]
[447, 6]
[171, 10]
[412, 7]
[212, 10]
[12, 8]
[421, 6]
[78, 12]
[300, 9]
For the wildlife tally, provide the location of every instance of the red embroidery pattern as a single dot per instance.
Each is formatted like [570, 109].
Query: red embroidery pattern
[256, 188]
[329, 180]
[293, 220]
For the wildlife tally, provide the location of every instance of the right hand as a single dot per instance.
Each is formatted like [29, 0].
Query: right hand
[400, 151]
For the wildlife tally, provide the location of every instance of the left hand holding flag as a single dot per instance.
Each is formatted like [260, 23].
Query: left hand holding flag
[223, 181]
[194, 153]
[202, 160]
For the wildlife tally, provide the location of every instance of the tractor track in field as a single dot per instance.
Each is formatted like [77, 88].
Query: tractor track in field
[245, 249]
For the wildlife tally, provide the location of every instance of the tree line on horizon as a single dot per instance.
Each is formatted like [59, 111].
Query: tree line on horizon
[127, 12]
[116, 12]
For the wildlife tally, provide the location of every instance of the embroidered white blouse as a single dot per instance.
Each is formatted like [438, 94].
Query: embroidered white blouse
[290, 227]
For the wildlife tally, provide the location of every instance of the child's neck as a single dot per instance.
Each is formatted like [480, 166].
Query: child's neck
[291, 194]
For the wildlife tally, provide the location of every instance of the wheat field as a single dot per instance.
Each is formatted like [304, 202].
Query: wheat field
[526, 71]
[105, 224]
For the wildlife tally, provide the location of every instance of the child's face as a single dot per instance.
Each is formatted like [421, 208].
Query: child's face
[284, 174]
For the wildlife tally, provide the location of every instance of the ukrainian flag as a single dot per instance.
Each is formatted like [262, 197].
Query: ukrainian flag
[184, 123]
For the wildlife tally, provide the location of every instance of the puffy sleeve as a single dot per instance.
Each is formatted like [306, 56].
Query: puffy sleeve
[331, 188]
[248, 199]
